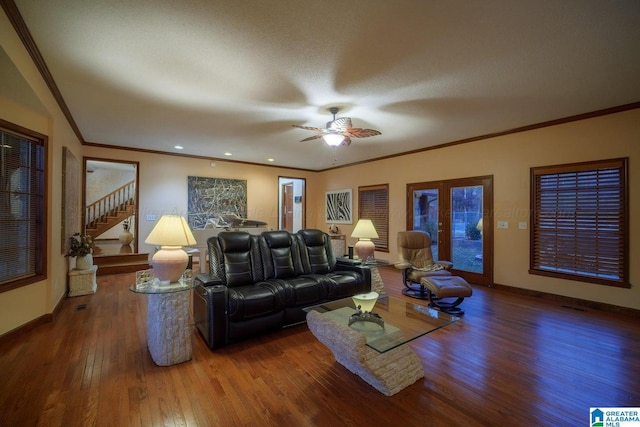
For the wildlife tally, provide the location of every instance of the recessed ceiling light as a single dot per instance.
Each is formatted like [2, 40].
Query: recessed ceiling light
[227, 154]
[271, 160]
[178, 147]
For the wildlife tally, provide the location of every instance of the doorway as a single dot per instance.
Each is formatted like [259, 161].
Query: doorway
[291, 202]
[110, 200]
[457, 214]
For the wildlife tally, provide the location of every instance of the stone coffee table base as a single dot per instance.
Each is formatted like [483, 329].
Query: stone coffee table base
[388, 372]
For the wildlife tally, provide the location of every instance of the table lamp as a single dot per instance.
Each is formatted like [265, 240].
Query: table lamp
[365, 302]
[364, 232]
[171, 233]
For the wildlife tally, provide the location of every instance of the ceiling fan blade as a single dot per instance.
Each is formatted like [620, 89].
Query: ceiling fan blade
[311, 138]
[310, 128]
[362, 133]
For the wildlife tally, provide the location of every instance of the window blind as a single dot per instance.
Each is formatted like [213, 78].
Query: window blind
[580, 222]
[22, 212]
[373, 204]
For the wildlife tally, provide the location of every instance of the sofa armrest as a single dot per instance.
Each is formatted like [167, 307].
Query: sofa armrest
[348, 261]
[355, 265]
[208, 279]
[210, 310]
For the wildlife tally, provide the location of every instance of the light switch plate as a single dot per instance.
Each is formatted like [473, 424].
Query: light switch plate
[503, 224]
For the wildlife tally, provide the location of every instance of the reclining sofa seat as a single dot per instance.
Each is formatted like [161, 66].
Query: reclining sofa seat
[260, 283]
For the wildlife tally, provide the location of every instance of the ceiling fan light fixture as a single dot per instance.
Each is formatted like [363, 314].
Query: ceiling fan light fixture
[333, 139]
[338, 132]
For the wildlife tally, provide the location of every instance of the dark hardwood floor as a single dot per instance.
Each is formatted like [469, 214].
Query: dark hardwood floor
[511, 361]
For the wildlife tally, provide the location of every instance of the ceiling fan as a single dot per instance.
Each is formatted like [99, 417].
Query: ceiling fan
[338, 132]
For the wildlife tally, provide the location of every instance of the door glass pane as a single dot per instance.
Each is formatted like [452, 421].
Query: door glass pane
[466, 228]
[425, 215]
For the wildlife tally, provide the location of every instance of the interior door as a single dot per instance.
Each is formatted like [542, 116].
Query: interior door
[291, 203]
[458, 216]
[287, 207]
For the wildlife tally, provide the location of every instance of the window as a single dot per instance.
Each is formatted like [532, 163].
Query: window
[22, 206]
[580, 222]
[373, 204]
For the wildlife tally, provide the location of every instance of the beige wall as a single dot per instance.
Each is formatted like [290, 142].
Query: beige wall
[509, 159]
[163, 188]
[163, 185]
[28, 303]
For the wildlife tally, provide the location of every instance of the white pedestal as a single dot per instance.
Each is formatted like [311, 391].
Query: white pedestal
[168, 333]
[83, 282]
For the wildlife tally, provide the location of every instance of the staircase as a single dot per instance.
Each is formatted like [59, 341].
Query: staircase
[110, 256]
[110, 210]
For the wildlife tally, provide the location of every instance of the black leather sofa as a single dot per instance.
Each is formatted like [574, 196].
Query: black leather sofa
[261, 283]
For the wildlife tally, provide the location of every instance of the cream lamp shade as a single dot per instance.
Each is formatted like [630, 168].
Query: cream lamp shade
[365, 302]
[364, 232]
[171, 233]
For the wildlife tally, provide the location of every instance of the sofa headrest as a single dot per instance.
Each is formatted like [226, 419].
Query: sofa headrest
[312, 237]
[277, 239]
[234, 241]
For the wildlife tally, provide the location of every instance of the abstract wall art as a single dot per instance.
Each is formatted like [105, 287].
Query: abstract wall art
[211, 197]
[338, 207]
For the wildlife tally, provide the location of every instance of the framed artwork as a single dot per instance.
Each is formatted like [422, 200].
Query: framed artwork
[71, 179]
[211, 197]
[338, 207]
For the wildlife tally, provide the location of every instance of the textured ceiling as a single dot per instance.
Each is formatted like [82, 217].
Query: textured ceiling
[233, 76]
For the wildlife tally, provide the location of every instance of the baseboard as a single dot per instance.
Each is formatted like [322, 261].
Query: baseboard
[24, 328]
[32, 324]
[571, 302]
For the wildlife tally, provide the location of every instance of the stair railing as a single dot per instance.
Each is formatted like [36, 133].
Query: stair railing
[118, 199]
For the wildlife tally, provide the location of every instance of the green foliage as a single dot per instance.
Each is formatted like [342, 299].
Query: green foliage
[472, 232]
[80, 245]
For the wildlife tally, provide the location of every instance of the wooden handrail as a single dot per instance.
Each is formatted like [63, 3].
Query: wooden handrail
[113, 201]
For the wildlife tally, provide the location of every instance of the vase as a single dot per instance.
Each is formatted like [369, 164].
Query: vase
[125, 237]
[84, 262]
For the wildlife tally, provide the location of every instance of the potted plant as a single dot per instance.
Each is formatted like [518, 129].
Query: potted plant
[81, 247]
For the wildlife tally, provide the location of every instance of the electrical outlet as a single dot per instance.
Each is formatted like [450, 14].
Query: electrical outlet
[503, 224]
[522, 225]
[151, 217]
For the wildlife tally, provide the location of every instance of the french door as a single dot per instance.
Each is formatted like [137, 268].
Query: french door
[458, 215]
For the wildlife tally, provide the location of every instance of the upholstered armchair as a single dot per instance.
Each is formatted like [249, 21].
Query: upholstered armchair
[426, 278]
[416, 261]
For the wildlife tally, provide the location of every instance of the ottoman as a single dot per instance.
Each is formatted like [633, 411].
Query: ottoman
[447, 292]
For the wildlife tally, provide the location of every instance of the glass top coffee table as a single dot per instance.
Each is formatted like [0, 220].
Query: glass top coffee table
[404, 320]
[377, 354]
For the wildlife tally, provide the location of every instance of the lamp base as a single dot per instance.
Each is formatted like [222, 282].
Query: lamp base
[169, 263]
[364, 249]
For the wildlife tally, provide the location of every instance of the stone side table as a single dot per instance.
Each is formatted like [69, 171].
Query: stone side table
[168, 322]
[83, 282]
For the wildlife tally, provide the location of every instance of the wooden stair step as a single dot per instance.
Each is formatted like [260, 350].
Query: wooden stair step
[121, 263]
